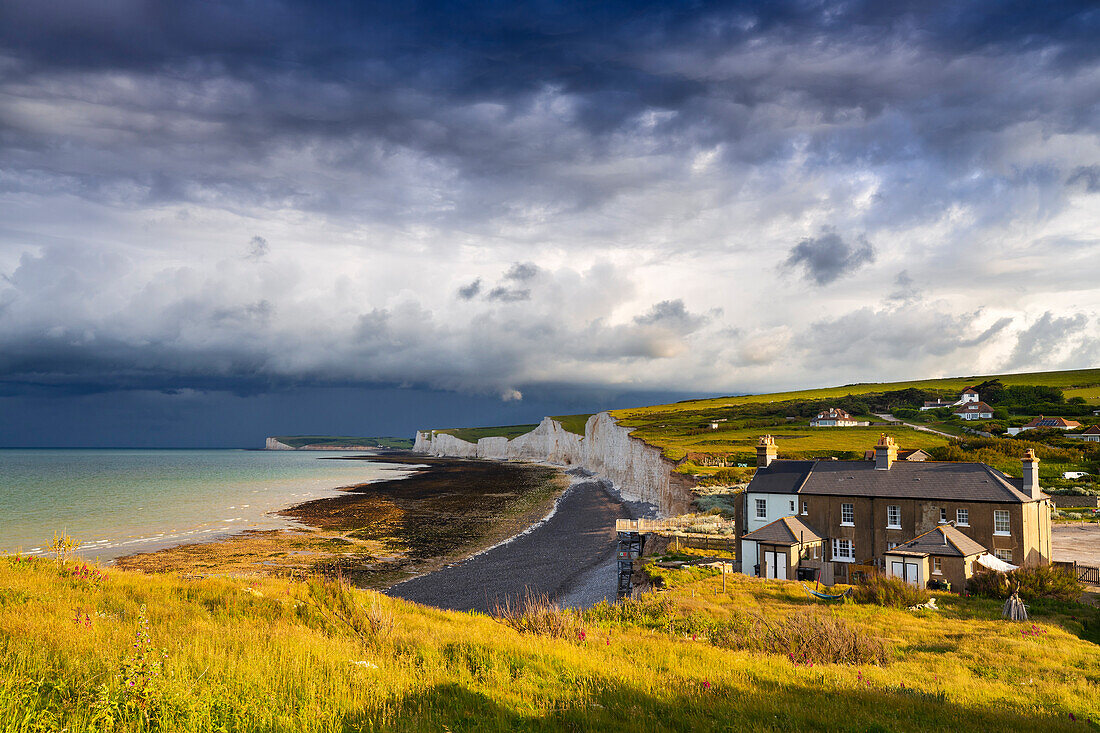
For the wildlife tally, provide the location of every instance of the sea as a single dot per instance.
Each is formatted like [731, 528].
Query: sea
[118, 502]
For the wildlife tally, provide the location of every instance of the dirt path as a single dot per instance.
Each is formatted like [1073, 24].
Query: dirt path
[570, 558]
[891, 418]
[1078, 542]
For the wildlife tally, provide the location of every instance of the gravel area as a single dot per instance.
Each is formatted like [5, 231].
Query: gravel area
[1076, 542]
[570, 557]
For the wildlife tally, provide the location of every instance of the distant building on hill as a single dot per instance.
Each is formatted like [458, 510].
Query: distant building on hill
[1091, 435]
[916, 454]
[1054, 423]
[973, 411]
[834, 417]
[969, 396]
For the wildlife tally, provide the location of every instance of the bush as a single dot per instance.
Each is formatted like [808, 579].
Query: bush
[1042, 581]
[890, 592]
[535, 614]
[807, 638]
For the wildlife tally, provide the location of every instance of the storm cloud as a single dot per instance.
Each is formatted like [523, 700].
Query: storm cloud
[495, 199]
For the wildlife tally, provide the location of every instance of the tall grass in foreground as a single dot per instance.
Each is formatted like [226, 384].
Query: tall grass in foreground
[276, 655]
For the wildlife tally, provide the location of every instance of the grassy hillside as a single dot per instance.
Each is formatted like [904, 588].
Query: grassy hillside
[82, 651]
[682, 431]
[472, 435]
[574, 423]
[297, 441]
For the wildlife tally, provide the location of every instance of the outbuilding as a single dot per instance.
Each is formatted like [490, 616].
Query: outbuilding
[943, 554]
[784, 549]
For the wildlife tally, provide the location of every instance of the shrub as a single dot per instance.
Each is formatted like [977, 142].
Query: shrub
[891, 592]
[808, 637]
[1042, 581]
[649, 611]
[341, 604]
[535, 614]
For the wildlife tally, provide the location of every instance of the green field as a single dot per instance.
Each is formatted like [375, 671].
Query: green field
[297, 441]
[1069, 381]
[131, 652]
[472, 435]
[679, 429]
[574, 423]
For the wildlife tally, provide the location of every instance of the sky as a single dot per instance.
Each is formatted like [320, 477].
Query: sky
[226, 220]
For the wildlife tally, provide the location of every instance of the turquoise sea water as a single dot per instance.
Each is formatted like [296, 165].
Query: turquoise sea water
[116, 502]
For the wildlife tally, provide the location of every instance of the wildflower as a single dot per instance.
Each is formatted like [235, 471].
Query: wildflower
[706, 684]
[581, 636]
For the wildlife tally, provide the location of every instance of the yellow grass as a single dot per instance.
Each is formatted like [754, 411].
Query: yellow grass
[277, 655]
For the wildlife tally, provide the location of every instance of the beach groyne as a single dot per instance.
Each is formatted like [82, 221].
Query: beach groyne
[637, 471]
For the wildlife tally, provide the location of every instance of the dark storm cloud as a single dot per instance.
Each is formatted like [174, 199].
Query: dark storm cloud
[631, 132]
[828, 257]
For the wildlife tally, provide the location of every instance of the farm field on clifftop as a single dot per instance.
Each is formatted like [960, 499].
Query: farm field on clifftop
[276, 655]
[682, 431]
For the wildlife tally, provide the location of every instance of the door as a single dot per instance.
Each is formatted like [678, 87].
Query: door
[777, 565]
[912, 574]
[897, 569]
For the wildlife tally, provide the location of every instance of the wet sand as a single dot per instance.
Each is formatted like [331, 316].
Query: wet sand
[378, 533]
[570, 558]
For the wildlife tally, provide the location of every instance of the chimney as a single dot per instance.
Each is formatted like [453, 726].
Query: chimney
[766, 451]
[886, 452]
[1031, 474]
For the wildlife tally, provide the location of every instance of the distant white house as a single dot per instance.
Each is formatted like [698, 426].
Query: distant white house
[968, 396]
[971, 410]
[1092, 435]
[1074, 474]
[1056, 423]
[834, 417]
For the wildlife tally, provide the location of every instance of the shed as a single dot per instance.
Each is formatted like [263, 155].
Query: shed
[941, 554]
[783, 547]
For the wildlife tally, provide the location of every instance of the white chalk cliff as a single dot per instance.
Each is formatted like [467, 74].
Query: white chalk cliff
[638, 471]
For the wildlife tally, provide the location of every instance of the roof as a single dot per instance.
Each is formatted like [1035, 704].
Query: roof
[784, 531]
[970, 390]
[944, 540]
[974, 407]
[1092, 430]
[833, 413]
[1052, 422]
[904, 480]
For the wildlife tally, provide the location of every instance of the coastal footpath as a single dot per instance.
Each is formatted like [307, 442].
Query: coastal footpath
[639, 472]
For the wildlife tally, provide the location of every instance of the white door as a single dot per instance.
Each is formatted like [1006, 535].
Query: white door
[912, 574]
[777, 565]
[897, 569]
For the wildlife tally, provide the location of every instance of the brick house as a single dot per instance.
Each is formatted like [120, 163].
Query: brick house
[863, 509]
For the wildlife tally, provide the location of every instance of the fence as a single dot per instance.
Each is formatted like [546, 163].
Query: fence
[1084, 573]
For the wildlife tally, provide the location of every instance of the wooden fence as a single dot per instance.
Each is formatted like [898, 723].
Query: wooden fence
[1084, 573]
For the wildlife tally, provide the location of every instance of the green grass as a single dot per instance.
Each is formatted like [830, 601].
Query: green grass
[297, 441]
[574, 423]
[276, 655]
[472, 435]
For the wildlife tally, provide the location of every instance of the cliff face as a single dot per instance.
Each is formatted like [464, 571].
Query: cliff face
[637, 470]
[273, 444]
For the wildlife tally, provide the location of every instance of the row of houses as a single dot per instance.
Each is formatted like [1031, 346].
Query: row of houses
[920, 520]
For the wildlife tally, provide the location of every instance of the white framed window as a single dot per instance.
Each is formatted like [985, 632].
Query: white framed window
[792, 506]
[937, 566]
[1005, 555]
[1000, 522]
[848, 515]
[761, 508]
[962, 517]
[843, 551]
[893, 517]
[805, 508]
[943, 515]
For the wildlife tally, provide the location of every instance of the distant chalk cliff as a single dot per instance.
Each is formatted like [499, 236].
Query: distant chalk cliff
[274, 444]
[637, 470]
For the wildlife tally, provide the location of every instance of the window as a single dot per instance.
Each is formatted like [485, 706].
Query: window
[1005, 555]
[805, 508]
[893, 517]
[792, 506]
[1000, 522]
[848, 514]
[937, 566]
[761, 508]
[943, 515]
[843, 551]
[962, 517]
[891, 545]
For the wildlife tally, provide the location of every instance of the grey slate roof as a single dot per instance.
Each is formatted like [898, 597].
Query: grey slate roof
[904, 480]
[933, 543]
[784, 531]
